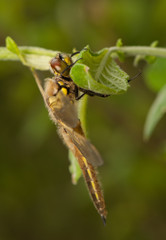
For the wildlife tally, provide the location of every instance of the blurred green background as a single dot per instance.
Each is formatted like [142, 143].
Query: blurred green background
[37, 198]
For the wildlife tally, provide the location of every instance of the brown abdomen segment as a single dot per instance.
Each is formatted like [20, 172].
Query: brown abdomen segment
[90, 176]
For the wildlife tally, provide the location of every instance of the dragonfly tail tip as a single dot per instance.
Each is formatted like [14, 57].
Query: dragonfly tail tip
[103, 219]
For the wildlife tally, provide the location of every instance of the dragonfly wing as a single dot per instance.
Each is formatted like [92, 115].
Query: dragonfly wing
[86, 148]
[63, 110]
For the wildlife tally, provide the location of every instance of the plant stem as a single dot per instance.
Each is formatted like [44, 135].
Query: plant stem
[140, 50]
[38, 58]
[5, 54]
[82, 107]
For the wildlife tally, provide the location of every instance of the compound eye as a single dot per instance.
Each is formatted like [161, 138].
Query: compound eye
[55, 64]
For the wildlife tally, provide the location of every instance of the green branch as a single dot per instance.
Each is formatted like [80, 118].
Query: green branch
[39, 58]
[37, 52]
[140, 50]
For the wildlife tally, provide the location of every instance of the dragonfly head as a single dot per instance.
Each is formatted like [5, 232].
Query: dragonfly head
[60, 64]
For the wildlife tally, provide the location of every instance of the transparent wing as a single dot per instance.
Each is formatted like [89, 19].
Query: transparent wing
[64, 110]
[87, 149]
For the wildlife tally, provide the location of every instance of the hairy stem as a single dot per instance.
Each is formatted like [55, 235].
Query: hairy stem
[38, 58]
[140, 50]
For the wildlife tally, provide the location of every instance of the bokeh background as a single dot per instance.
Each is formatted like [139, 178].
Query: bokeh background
[37, 198]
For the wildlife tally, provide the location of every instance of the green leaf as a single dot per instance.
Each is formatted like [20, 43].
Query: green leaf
[154, 44]
[74, 168]
[119, 43]
[12, 46]
[155, 75]
[98, 72]
[152, 59]
[156, 112]
[120, 54]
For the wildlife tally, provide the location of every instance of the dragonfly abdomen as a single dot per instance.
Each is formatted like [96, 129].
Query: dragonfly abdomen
[90, 176]
[89, 173]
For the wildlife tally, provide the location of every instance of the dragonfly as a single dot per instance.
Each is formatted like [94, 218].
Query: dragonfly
[60, 95]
